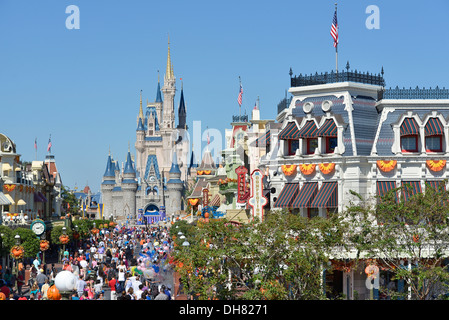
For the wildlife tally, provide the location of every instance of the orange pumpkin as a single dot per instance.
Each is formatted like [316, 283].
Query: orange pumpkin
[327, 168]
[193, 202]
[64, 239]
[386, 166]
[17, 252]
[2, 296]
[289, 169]
[199, 172]
[206, 215]
[44, 245]
[436, 165]
[307, 168]
[207, 171]
[53, 293]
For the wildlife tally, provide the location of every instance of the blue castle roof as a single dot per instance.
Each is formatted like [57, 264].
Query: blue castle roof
[129, 165]
[109, 168]
[158, 93]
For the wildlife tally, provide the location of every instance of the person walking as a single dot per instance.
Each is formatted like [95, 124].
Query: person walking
[161, 295]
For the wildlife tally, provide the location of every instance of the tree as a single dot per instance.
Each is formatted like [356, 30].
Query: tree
[279, 258]
[406, 236]
[69, 201]
[28, 240]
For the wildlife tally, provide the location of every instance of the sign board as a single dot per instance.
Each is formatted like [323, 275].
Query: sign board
[257, 201]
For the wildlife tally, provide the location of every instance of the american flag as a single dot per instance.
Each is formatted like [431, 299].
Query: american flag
[334, 29]
[239, 100]
[49, 144]
[35, 143]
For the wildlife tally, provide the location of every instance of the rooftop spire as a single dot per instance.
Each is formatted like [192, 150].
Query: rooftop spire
[140, 109]
[169, 71]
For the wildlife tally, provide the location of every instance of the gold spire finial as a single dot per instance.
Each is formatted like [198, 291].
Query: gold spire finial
[141, 110]
[169, 70]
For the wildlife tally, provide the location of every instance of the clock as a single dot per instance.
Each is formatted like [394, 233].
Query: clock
[38, 227]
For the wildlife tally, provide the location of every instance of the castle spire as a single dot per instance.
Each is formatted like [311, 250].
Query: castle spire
[140, 109]
[169, 71]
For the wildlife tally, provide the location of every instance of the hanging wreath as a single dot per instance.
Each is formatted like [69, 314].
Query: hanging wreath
[436, 165]
[193, 202]
[307, 168]
[289, 169]
[17, 252]
[327, 167]
[64, 239]
[44, 245]
[386, 166]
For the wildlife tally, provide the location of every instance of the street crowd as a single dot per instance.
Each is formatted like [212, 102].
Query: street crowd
[129, 263]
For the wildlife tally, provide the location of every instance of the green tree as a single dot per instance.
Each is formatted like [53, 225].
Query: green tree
[69, 200]
[28, 240]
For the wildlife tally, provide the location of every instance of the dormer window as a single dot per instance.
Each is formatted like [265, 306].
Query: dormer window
[309, 135]
[290, 135]
[434, 135]
[409, 135]
[328, 132]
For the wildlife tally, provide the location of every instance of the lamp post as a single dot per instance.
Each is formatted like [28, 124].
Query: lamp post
[65, 282]
[1, 248]
[16, 261]
[64, 232]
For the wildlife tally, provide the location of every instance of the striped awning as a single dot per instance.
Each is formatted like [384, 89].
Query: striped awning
[291, 131]
[409, 127]
[10, 198]
[215, 201]
[4, 201]
[287, 195]
[328, 129]
[263, 140]
[305, 195]
[433, 127]
[436, 184]
[383, 187]
[309, 130]
[410, 188]
[326, 196]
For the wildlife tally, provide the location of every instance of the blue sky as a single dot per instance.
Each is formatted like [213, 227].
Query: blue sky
[82, 86]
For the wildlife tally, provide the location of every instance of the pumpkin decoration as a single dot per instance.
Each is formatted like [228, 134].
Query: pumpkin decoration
[372, 271]
[327, 168]
[416, 238]
[64, 239]
[193, 202]
[307, 168]
[289, 169]
[200, 172]
[44, 245]
[207, 172]
[53, 293]
[95, 231]
[2, 296]
[436, 165]
[386, 166]
[17, 252]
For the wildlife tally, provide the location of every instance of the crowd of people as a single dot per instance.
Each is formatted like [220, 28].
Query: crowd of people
[127, 263]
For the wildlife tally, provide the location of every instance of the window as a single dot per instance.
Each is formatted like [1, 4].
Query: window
[312, 144]
[409, 143]
[293, 145]
[312, 212]
[434, 144]
[331, 143]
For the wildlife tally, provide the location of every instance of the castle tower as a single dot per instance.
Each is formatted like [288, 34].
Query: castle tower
[129, 188]
[106, 187]
[182, 114]
[168, 90]
[174, 187]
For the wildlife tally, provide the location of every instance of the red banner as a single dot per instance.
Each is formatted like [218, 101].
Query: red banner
[241, 184]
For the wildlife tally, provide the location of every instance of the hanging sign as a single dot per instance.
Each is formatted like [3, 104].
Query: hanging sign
[257, 201]
[205, 197]
[241, 183]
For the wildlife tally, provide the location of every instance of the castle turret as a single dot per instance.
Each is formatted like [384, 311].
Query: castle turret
[129, 187]
[182, 114]
[174, 187]
[106, 187]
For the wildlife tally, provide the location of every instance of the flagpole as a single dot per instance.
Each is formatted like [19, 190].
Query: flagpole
[240, 106]
[336, 47]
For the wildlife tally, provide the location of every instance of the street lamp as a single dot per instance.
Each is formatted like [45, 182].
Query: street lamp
[65, 282]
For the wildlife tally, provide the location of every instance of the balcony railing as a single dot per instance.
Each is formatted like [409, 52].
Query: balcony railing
[414, 93]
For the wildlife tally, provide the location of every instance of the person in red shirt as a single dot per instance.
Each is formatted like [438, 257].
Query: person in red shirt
[4, 288]
[111, 284]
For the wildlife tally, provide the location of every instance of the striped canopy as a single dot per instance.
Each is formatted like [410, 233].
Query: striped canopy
[4, 201]
[326, 196]
[305, 195]
[410, 188]
[409, 127]
[309, 130]
[383, 187]
[328, 129]
[263, 140]
[436, 184]
[287, 195]
[433, 127]
[289, 132]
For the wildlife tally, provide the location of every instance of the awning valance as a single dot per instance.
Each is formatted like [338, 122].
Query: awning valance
[291, 131]
[409, 127]
[328, 129]
[309, 130]
[305, 195]
[326, 196]
[433, 127]
[436, 184]
[287, 195]
[410, 188]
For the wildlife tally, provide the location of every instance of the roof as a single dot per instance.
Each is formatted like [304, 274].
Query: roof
[207, 162]
[158, 93]
[152, 167]
[197, 190]
[109, 168]
[140, 125]
[129, 165]
[174, 166]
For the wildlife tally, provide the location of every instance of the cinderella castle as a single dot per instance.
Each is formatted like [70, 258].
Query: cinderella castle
[151, 186]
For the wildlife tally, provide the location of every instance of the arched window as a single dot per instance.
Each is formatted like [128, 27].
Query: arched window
[434, 135]
[409, 135]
